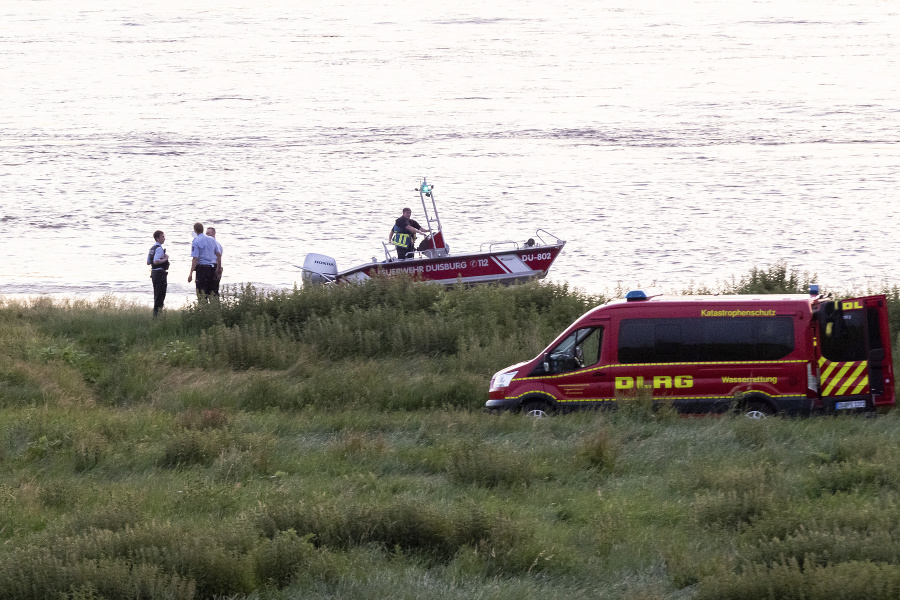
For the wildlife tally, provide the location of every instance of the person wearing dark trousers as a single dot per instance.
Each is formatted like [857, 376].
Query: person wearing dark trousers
[205, 260]
[159, 271]
[211, 232]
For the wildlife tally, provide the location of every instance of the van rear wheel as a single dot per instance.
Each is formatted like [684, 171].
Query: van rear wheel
[537, 409]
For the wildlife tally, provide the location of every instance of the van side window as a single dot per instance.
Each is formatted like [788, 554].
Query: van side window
[579, 349]
[705, 339]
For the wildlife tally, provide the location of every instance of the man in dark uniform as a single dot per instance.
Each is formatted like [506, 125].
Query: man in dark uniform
[159, 271]
[403, 234]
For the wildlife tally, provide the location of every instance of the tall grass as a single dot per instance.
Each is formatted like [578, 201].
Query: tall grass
[329, 442]
[205, 503]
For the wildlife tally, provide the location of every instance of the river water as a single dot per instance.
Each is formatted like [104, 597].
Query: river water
[667, 142]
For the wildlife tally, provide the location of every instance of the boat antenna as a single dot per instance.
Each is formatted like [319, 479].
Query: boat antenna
[426, 190]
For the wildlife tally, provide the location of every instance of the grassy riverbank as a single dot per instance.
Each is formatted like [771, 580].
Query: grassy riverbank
[329, 443]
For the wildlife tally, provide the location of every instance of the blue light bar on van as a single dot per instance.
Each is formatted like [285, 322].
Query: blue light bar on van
[814, 290]
[635, 295]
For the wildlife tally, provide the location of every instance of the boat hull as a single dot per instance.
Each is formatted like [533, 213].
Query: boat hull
[508, 266]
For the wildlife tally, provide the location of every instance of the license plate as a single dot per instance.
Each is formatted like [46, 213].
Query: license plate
[849, 404]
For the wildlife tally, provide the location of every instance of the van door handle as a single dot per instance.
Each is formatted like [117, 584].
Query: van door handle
[599, 374]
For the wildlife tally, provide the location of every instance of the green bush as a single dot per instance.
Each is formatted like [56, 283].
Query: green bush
[380, 385]
[434, 532]
[210, 418]
[117, 515]
[732, 508]
[279, 560]
[489, 466]
[262, 391]
[379, 317]
[838, 512]
[791, 581]
[854, 476]
[146, 561]
[125, 381]
[381, 331]
[600, 449]
[38, 574]
[178, 353]
[189, 448]
[776, 278]
[17, 388]
[826, 547]
[639, 405]
[257, 344]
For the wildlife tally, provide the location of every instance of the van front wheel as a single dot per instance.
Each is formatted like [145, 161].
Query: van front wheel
[536, 409]
[758, 409]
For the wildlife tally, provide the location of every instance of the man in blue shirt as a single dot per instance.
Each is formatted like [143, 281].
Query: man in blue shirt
[211, 232]
[205, 260]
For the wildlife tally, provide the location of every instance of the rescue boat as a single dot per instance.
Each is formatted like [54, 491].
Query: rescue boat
[507, 261]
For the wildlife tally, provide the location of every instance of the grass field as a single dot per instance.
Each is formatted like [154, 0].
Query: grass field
[330, 443]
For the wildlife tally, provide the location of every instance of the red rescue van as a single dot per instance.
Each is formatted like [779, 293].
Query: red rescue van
[766, 354]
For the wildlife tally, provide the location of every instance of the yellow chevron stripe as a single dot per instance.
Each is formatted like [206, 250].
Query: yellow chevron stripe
[862, 386]
[826, 374]
[837, 378]
[851, 379]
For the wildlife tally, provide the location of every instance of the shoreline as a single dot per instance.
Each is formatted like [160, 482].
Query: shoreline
[121, 298]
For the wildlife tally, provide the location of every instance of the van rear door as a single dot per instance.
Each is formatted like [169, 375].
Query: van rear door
[855, 365]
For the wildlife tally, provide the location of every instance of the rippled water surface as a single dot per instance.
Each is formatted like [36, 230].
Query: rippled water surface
[667, 142]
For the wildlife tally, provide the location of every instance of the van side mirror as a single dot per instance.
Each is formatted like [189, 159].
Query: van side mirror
[546, 363]
[876, 355]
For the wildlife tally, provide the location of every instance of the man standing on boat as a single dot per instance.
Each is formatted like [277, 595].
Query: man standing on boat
[403, 234]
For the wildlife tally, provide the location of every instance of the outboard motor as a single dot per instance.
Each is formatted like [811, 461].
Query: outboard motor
[318, 268]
